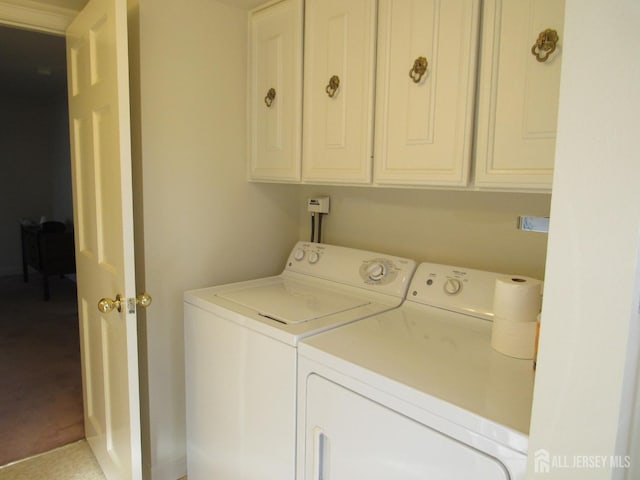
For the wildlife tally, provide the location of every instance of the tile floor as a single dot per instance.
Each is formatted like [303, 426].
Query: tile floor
[71, 462]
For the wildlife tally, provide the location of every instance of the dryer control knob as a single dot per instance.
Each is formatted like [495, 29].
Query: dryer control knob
[376, 271]
[314, 257]
[452, 286]
[298, 254]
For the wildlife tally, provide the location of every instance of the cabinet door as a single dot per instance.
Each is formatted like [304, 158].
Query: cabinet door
[338, 116]
[424, 121]
[275, 91]
[518, 95]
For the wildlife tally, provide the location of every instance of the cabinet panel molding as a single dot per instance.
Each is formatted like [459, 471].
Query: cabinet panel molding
[338, 116]
[518, 95]
[275, 92]
[424, 128]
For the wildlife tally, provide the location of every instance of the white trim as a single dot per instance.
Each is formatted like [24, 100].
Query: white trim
[36, 16]
[170, 470]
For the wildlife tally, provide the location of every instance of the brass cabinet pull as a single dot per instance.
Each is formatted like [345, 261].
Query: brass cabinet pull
[419, 68]
[334, 83]
[545, 45]
[271, 94]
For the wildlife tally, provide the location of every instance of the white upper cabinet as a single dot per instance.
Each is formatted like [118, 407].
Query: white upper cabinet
[275, 92]
[339, 65]
[413, 64]
[426, 79]
[518, 94]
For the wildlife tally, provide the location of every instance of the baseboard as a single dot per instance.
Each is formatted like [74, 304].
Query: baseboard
[176, 470]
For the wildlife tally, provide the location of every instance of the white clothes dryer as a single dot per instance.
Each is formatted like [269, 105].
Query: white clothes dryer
[240, 353]
[416, 392]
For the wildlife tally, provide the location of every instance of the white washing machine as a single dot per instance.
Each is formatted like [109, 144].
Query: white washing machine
[241, 362]
[416, 392]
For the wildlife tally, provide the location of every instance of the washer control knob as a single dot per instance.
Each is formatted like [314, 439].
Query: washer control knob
[376, 271]
[452, 286]
[298, 254]
[314, 257]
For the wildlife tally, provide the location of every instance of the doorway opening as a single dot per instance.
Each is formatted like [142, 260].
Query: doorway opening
[41, 398]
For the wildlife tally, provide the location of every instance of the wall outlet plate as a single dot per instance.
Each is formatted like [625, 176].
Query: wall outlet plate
[533, 224]
[318, 204]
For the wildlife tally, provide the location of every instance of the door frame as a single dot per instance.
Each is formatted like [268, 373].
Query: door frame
[42, 18]
[47, 19]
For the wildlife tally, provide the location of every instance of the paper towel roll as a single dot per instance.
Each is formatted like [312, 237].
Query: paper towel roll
[517, 298]
[516, 339]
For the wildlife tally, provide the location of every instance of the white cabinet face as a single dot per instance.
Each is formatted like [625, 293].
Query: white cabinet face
[240, 400]
[425, 91]
[275, 92]
[413, 64]
[338, 90]
[518, 95]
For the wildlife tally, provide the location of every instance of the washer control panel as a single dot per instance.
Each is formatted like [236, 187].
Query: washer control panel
[307, 254]
[378, 271]
[299, 254]
[384, 273]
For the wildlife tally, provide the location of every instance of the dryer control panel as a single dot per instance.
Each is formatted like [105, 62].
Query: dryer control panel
[361, 268]
[458, 289]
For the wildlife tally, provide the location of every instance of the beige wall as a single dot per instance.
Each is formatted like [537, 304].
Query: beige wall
[472, 229]
[204, 224]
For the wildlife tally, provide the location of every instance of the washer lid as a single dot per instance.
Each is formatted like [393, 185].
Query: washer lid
[292, 302]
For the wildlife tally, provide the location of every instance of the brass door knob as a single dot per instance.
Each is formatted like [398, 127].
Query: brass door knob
[144, 300]
[108, 305]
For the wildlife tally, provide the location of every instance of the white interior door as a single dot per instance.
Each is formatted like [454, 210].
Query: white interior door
[102, 194]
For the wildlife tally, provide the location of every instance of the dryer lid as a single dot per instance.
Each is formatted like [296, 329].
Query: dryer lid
[290, 302]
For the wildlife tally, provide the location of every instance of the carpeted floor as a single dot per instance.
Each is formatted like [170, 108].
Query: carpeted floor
[41, 386]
